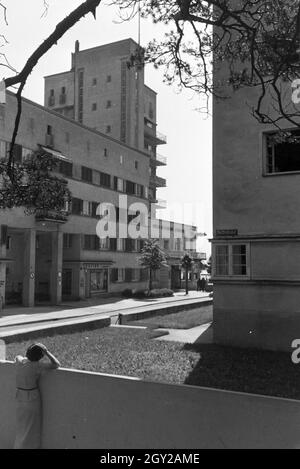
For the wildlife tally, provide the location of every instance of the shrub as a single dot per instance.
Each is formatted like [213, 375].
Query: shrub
[141, 293]
[127, 293]
[160, 292]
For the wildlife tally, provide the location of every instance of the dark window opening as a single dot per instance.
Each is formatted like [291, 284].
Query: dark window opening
[86, 174]
[283, 153]
[105, 180]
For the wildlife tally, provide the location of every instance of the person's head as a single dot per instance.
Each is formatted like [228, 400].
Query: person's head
[34, 353]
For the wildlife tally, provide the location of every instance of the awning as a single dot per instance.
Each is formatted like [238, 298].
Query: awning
[55, 153]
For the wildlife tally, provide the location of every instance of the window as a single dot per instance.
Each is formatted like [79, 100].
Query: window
[91, 243]
[121, 185]
[86, 174]
[130, 188]
[108, 129]
[222, 260]
[114, 277]
[239, 259]
[140, 190]
[105, 180]
[94, 82]
[8, 243]
[166, 244]
[51, 99]
[136, 164]
[66, 168]
[282, 152]
[231, 260]
[113, 244]
[94, 106]
[62, 96]
[49, 129]
[68, 240]
[77, 206]
[85, 208]
[93, 209]
[108, 104]
[105, 152]
[128, 275]
[121, 159]
[108, 79]
[104, 243]
[120, 244]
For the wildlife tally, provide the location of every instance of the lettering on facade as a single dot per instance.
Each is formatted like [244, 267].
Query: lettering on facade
[93, 266]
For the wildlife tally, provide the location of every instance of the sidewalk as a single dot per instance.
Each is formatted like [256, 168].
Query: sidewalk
[108, 307]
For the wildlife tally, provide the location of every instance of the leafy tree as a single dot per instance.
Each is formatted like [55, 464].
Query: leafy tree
[152, 257]
[35, 186]
[186, 264]
[255, 42]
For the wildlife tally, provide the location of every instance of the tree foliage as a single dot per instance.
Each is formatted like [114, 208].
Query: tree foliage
[256, 42]
[152, 257]
[35, 187]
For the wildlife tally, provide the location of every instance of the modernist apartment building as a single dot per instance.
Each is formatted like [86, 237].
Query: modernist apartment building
[50, 256]
[101, 91]
[256, 241]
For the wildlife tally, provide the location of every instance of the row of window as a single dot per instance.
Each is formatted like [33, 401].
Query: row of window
[87, 174]
[128, 275]
[94, 243]
[107, 106]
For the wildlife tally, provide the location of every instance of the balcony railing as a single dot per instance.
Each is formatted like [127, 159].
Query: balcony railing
[154, 137]
[158, 160]
[158, 181]
[53, 216]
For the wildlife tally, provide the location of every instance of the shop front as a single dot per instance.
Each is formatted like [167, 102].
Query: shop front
[96, 277]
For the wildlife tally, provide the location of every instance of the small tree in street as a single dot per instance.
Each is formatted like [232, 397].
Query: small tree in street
[152, 257]
[186, 264]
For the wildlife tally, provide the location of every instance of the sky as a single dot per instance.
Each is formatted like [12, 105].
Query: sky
[189, 134]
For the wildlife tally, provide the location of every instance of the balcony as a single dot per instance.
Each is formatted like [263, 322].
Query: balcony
[158, 181]
[161, 203]
[153, 136]
[52, 216]
[158, 160]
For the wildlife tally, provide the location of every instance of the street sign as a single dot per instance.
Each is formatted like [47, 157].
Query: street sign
[227, 232]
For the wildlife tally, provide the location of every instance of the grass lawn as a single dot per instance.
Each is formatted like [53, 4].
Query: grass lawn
[182, 320]
[131, 352]
[119, 351]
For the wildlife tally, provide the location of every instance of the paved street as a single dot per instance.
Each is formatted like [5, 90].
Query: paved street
[23, 319]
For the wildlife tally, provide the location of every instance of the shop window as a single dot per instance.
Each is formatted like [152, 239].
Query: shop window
[98, 280]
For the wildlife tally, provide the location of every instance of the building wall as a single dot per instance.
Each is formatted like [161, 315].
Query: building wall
[106, 78]
[260, 309]
[91, 410]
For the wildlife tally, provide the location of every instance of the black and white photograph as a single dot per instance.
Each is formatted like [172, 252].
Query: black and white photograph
[149, 228]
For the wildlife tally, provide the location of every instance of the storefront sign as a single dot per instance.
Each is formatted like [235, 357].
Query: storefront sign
[93, 266]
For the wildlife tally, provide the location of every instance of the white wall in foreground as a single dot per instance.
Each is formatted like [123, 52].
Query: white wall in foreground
[86, 410]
